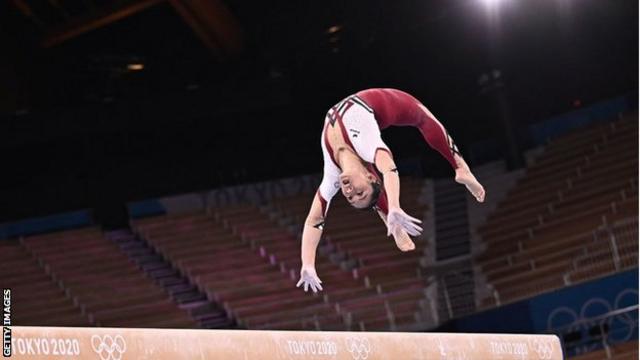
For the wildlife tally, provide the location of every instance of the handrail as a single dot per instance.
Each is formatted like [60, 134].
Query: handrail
[605, 316]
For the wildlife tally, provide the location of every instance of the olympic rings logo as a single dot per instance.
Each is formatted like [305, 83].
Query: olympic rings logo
[109, 348]
[544, 349]
[358, 347]
[566, 317]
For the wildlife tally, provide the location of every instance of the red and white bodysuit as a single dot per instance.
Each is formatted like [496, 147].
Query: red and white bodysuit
[361, 117]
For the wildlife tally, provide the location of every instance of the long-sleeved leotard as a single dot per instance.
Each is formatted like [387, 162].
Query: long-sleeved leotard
[361, 116]
[397, 108]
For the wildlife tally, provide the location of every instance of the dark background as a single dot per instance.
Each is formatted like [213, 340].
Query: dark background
[77, 130]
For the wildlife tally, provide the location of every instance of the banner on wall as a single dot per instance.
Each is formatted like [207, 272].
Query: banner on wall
[65, 221]
[573, 306]
[256, 193]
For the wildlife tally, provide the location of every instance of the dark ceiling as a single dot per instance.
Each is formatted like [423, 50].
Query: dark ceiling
[235, 90]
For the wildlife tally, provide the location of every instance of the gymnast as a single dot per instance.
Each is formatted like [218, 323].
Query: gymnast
[357, 162]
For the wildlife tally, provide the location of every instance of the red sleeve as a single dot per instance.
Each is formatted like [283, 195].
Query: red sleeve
[323, 202]
[383, 204]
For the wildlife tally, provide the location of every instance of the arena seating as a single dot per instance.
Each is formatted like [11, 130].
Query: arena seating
[36, 298]
[358, 240]
[554, 227]
[248, 259]
[227, 269]
[571, 218]
[282, 248]
[107, 288]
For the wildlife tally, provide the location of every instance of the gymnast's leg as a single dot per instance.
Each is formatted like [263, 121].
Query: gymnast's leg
[437, 137]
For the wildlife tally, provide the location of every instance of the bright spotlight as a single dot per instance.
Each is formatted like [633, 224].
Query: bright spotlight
[492, 8]
[135, 67]
[492, 4]
[334, 29]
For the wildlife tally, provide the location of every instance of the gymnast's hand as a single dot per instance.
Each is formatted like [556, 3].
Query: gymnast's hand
[398, 220]
[309, 278]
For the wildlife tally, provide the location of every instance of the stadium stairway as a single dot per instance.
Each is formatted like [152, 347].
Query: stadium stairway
[247, 259]
[188, 297]
[455, 287]
[98, 277]
[231, 270]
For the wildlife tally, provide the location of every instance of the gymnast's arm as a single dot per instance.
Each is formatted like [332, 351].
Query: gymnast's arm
[396, 218]
[383, 217]
[310, 238]
[385, 164]
[314, 224]
[312, 232]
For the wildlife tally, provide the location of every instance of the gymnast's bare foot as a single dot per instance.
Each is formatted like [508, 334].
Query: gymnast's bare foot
[404, 242]
[465, 177]
[402, 239]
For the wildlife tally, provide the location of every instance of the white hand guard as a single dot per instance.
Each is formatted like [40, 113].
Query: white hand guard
[397, 218]
[309, 278]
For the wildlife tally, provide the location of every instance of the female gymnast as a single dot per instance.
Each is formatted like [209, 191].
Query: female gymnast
[358, 162]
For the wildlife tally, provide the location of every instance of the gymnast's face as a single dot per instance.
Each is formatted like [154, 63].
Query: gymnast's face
[356, 188]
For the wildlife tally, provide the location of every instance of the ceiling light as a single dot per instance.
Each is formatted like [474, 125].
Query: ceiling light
[135, 67]
[334, 29]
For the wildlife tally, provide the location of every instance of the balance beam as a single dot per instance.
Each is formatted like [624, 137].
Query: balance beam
[175, 344]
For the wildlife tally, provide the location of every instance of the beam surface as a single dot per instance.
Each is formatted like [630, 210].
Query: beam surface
[176, 344]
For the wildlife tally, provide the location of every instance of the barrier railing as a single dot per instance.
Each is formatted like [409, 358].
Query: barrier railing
[618, 243]
[600, 332]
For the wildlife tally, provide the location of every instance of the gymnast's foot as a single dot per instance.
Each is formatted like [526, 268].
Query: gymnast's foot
[465, 177]
[402, 239]
[404, 242]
